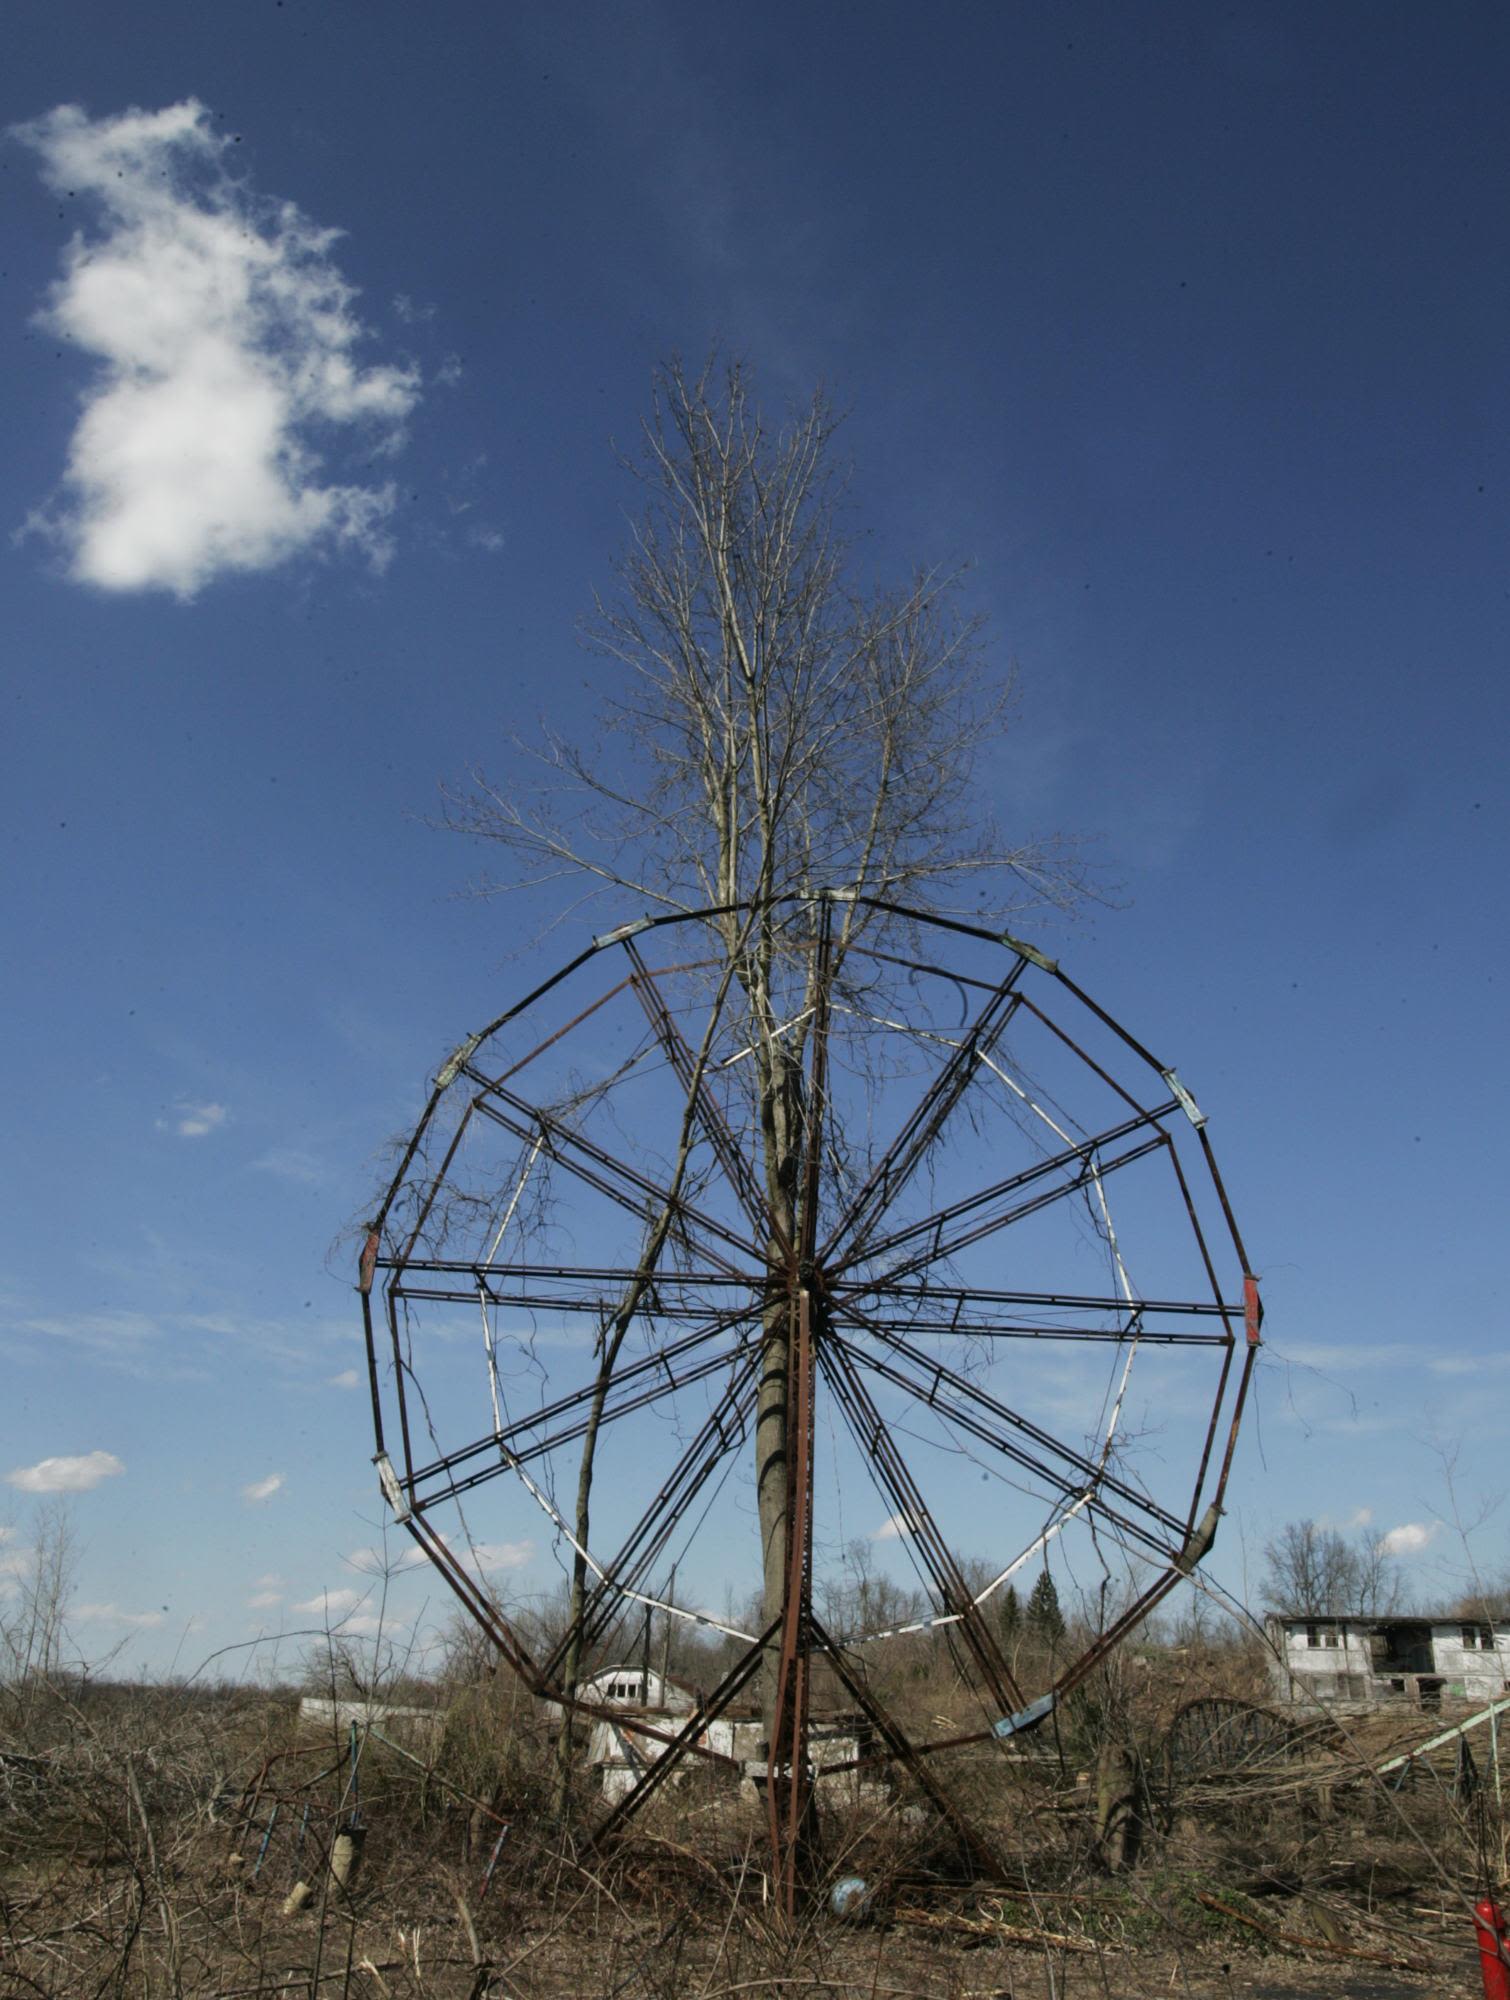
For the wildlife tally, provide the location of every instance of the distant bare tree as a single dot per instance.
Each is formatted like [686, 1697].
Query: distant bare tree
[1489, 1600]
[781, 727]
[34, 1642]
[1316, 1571]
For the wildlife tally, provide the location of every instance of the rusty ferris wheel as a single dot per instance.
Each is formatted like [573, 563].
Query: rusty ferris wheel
[1002, 1287]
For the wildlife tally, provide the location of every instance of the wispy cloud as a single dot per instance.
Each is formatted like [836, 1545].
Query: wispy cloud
[227, 339]
[347, 1379]
[193, 1121]
[66, 1475]
[264, 1600]
[112, 1614]
[173, 1346]
[287, 1163]
[262, 1489]
[1410, 1538]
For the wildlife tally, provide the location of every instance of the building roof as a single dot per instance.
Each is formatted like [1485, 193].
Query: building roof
[1373, 1619]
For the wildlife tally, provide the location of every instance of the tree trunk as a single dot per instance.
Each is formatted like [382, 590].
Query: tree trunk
[1118, 1798]
[772, 1487]
[571, 1666]
[781, 1123]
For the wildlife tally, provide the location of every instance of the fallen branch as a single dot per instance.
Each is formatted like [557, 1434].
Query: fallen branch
[1299, 1943]
[998, 1927]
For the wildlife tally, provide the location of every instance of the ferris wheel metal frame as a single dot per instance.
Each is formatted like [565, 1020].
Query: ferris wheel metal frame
[858, 1302]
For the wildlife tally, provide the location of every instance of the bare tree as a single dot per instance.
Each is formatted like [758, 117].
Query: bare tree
[781, 729]
[34, 1639]
[1316, 1571]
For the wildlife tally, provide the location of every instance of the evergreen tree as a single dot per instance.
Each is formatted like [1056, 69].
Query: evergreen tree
[1045, 1619]
[1011, 1614]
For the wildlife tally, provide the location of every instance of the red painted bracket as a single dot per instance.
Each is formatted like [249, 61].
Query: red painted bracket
[369, 1261]
[1253, 1308]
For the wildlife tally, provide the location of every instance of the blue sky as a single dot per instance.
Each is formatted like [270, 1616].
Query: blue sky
[1186, 328]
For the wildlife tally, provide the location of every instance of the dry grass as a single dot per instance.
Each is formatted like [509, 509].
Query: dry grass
[151, 1838]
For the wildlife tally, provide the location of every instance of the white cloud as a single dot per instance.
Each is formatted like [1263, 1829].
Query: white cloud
[66, 1475]
[492, 1556]
[272, 1581]
[111, 1614]
[264, 1600]
[347, 1379]
[193, 1121]
[368, 1624]
[227, 339]
[262, 1489]
[892, 1528]
[334, 1601]
[1410, 1538]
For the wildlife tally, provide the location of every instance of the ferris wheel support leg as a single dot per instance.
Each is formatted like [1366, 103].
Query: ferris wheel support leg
[975, 1850]
[790, 1806]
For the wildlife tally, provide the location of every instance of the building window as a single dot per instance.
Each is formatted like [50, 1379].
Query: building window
[1478, 1638]
[1321, 1635]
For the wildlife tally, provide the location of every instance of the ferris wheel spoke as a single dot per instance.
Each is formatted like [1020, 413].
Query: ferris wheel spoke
[647, 1379]
[947, 1312]
[1078, 1496]
[925, 1377]
[960, 1328]
[932, 1233]
[920, 1130]
[900, 1747]
[560, 1288]
[620, 1405]
[886, 1464]
[608, 1175]
[691, 1073]
[721, 1432]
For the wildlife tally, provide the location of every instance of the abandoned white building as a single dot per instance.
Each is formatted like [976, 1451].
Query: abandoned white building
[622, 1753]
[1375, 1662]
